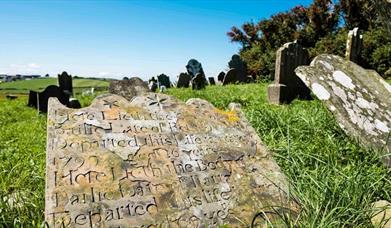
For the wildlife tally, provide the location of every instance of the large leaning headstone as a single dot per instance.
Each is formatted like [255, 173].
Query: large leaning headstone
[157, 162]
[287, 86]
[128, 88]
[360, 99]
[354, 45]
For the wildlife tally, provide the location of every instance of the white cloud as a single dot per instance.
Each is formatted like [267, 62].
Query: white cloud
[34, 66]
[30, 68]
[103, 74]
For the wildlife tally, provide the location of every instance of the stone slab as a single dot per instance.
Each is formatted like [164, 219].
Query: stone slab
[129, 88]
[359, 99]
[155, 161]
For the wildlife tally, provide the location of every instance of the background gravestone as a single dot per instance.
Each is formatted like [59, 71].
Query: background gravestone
[152, 84]
[198, 82]
[354, 45]
[230, 77]
[128, 88]
[183, 80]
[65, 83]
[39, 100]
[221, 76]
[240, 66]
[194, 67]
[157, 162]
[287, 86]
[164, 80]
[359, 99]
[211, 81]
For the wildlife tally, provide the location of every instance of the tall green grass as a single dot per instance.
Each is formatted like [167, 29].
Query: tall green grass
[333, 178]
[22, 164]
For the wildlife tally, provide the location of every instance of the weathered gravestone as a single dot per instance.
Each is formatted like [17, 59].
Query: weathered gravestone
[230, 77]
[164, 80]
[39, 100]
[221, 76]
[287, 86]
[360, 99]
[152, 84]
[198, 82]
[156, 161]
[240, 66]
[194, 67]
[129, 88]
[354, 45]
[183, 80]
[211, 81]
[65, 83]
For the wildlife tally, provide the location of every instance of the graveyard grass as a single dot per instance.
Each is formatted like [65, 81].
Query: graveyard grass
[334, 179]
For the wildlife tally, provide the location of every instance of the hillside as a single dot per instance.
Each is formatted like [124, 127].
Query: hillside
[333, 178]
[24, 86]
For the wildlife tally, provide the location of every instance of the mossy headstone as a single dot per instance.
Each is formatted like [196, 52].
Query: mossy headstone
[360, 99]
[155, 161]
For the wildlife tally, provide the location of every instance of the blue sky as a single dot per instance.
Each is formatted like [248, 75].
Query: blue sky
[124, 38]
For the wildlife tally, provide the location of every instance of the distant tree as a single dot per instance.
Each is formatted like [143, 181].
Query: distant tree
[247, 36]
[321, 27]
[46, 75]
[125, 78]
[357, 13]
[322, 19]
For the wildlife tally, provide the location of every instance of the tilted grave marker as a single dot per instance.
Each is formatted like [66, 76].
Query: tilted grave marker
[287, 86]
[128, 88]
[360, 99]
[156, 161]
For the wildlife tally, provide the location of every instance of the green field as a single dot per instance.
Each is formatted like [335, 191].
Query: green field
[334, 179]
[23, 86]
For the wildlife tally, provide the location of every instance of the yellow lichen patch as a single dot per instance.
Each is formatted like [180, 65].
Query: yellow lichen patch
[231, 116]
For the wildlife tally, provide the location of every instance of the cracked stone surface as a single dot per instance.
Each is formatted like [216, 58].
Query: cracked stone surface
[359, 99]
[155, 161]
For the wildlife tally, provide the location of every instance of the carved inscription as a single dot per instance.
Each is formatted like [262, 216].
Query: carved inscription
[155, 162]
